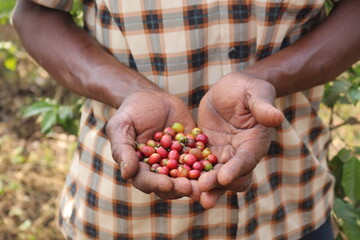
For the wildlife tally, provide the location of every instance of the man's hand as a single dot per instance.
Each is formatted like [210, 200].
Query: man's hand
[138, 118]
[236, 115]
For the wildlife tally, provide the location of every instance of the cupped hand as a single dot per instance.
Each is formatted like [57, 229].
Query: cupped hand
[236, 114]
[140, 115]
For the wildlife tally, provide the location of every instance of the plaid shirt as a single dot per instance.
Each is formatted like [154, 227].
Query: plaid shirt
[185, 47]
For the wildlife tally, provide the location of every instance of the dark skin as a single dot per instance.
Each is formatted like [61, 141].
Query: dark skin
[240, 135]
[239, 123]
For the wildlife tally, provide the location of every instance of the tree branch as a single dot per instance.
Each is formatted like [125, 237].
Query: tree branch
[349, 121]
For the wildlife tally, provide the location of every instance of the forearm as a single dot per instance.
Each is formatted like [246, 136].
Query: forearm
[73, 58]
[318, 57]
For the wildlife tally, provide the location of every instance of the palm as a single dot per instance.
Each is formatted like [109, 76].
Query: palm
[147, 112]
[236, 114]
[231, 131]
[139, 117]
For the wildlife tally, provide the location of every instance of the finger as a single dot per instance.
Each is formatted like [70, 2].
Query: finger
[195, 193]
[182, 186]
[240, 165]
[240, 184]
[121, 135]
[129, 160]
[123, 152]
[261, 104]
[147, 181]
[208, 199]
[209, 180]
[247, 155]
[266, 114]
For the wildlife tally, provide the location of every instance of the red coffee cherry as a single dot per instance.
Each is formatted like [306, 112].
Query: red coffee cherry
[177, 154]
[166, 141]
[147, 151]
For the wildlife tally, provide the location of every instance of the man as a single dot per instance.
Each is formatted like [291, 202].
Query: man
[154, 61]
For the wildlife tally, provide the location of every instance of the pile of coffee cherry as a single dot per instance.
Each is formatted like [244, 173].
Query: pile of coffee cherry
[174, 153]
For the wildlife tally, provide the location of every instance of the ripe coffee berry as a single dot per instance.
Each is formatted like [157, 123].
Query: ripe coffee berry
[166, 141]
[178, 154]
[212, 158]
[173, 154]
[147, 151]
[162, 151]
[201, 138]
[157, 136]
[154, 158]
[176, 145]
[169, 131]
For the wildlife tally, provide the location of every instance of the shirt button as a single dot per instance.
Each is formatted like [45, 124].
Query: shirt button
[233, 54]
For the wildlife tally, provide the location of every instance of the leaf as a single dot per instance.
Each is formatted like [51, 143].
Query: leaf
[356, 150]
[351, 179]
[6, 6]
[333, 91]
[10, 63]
[48, 121]
[347, 218]
[65, 113]
[354, 94]
[72, 126]
[339, 237]
[37, 108]
[344, 154]
[356, 69]
[337, 166]
[328, 6]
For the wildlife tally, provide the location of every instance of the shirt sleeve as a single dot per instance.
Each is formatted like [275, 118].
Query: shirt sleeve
[64, 5]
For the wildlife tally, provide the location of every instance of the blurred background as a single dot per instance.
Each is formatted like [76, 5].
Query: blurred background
[38, 128]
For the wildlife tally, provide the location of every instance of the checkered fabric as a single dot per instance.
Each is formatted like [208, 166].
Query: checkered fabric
[185, 47]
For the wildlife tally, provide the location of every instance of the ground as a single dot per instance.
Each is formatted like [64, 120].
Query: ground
[32, 166]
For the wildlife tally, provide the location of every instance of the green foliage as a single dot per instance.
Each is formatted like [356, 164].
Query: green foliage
[351, 179]
[51, 113]
[6, 7]
[77, 13]
[345, 165]
[348, 218]
[328, 6]
[8, 52]
[346, 90]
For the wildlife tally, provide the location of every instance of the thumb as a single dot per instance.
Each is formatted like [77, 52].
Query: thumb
[129, 161]
[122, 140]
[261, 104]
[266, 114]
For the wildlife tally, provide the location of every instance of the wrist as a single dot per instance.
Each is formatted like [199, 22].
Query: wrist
[267, 73]
[111, 84]
[284, 70]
